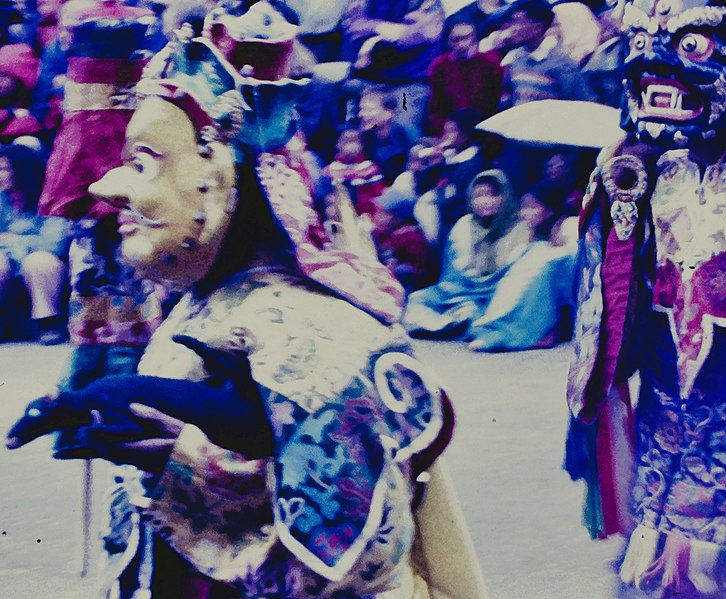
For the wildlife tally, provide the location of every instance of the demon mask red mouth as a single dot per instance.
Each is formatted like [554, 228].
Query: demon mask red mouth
[668, 99]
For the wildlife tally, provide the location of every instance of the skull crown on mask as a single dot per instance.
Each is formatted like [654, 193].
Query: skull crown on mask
[675, 87]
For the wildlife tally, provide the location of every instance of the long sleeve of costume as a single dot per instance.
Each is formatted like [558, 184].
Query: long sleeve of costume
[330, 513]
[211, 502]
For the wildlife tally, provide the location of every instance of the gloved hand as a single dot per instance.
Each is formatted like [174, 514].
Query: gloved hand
[229, 411]
[116, 444]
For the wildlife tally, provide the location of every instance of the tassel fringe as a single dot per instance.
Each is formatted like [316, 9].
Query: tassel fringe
[671, 566]
[679, 566]
[642, 548]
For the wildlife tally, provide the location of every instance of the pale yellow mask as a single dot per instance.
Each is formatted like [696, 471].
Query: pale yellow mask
[175, 201]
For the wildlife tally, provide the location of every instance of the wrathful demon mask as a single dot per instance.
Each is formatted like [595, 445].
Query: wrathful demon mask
[675, 70]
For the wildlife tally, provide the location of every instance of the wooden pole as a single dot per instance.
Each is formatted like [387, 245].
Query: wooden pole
[86, 502]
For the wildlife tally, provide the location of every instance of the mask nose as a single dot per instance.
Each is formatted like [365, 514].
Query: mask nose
[113, 188]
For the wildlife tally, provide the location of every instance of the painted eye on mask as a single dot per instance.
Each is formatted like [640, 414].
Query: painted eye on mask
[145, 164]
[696, 47]
[639, 42]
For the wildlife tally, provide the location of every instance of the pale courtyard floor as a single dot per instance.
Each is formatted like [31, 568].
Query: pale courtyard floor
[522, 510]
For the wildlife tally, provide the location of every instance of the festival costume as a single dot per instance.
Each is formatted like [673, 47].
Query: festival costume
[104, 63]
[498, 292]
[112, 311]
[651, 300]
[355, 417]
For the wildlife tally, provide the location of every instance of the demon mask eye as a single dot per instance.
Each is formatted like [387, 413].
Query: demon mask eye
[696, 47]
[639, 42]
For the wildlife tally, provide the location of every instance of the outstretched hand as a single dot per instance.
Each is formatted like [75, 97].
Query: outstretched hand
[114, 444]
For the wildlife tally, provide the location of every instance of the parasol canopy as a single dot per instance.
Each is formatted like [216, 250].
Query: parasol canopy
[558, 122]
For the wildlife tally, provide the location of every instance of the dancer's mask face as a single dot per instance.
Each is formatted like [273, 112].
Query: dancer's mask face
[175, 201]
[675, 70]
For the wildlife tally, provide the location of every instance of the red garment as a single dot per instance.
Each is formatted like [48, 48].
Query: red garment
[404, 250]
[79, 159]
[458, 84]
[19, 62]
[366, 180]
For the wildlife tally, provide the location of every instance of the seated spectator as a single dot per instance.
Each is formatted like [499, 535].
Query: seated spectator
[421, 188]
[33, 249]
[483, 14]
[394, 43]
[352, 168]
[385, 142]
[542, 211]
[463, 78]
[499, 288]
[18, 76]
[537, 67]
[563, 172]
[463, 160]
[403, 247]
[47, 107]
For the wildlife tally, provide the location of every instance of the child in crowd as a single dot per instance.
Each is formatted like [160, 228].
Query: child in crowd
[33, 249]
[420, 188]
[463, 158]
[352, 168]
[498, 289]
[385, 142]
[403, 247]
[542, 211]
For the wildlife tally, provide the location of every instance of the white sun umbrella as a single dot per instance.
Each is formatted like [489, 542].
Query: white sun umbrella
[558, 122]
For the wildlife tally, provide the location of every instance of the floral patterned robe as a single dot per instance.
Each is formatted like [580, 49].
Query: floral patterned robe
[655, 303]
[355, 417]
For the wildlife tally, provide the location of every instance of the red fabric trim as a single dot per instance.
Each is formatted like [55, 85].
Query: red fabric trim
[82, 69]
[108, 10]
[181, 99]
[616, 461]
[617, 274]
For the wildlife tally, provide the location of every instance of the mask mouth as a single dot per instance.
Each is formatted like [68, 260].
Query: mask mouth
[130, 220]
[667, 99]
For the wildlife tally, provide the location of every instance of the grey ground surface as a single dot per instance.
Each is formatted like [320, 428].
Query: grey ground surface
[523, 511]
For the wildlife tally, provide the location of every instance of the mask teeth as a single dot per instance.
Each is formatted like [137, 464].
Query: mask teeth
[654, 129]
[675, 96]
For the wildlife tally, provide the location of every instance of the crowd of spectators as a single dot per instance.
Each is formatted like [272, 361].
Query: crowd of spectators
[397, 89]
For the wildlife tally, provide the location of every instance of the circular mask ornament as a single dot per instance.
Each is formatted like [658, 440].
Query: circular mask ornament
[625, 181]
